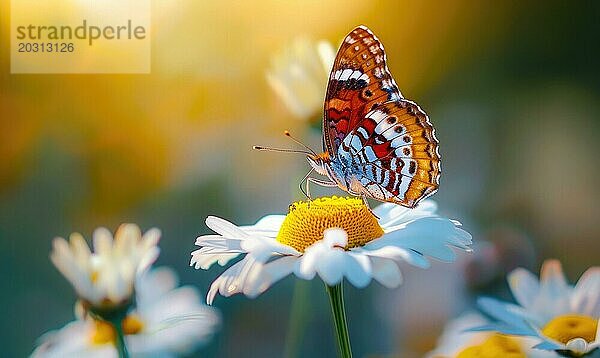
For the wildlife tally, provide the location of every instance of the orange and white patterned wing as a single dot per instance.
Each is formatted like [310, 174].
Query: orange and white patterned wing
[394, 154]
[359, 81]
[384, 144]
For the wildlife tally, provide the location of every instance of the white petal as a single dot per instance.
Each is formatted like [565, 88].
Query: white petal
[80, 249]
[358, 269]
[231, 281]
[148, 259]
[225, 228]
[393, 214]
[386, 272]
[397, 254]
[577, 345]
[265, 275]
[103, 241]
[555, 292]
[63, 259]
[120, 285]
[267, 226]
[514, 316]
[72, 340]
[455, 336]
[173, 325]
[429, 236]
[548, 345]
[335, 237]
[325, 259]
[152, 285]
[126, 238]
[204, 259]
[524, 286]
[331, 266]
[151, 238]
[388, 211]
[263, 248]
[586, 295]
[552, 277]
[307, 268]
[218, 241]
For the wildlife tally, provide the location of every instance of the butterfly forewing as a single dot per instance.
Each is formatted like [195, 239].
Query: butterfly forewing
[359, 81]
[387, 143]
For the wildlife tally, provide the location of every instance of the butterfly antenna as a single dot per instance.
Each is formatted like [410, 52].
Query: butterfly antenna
[287, 133]
[281, 150]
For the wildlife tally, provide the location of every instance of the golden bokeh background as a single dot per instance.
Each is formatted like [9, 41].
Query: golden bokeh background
[512, 88]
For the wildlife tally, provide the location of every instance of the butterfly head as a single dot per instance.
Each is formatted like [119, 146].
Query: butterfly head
[319, 162]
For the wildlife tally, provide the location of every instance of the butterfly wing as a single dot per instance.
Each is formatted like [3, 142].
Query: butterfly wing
[394, 153]
[388, 140]
[359, 81]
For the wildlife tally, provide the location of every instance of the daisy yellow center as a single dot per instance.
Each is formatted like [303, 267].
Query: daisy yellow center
[105, 333]
[567, 327]
[496, 346]
[306, 222]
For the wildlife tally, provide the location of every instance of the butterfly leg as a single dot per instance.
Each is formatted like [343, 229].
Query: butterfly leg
[324, 183]
[302, 182]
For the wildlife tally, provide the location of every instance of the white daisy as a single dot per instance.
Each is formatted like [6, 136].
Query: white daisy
[331, 237]
[299, 74]
[104, 279]
[457, 341]
[563, 317]
[167, 320]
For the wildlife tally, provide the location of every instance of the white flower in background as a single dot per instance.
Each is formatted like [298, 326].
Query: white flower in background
[299, 75]
[457, 342]
[105, 278]
[562, 317]
[331, 237]
[167, 320]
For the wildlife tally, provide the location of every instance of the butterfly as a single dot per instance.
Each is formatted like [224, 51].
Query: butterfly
[376, 143]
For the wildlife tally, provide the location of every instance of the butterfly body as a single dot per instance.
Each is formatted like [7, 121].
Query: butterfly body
[376, 144]
[333, 169]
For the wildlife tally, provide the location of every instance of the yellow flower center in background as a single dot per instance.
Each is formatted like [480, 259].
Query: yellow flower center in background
[105, 333]
[567, 327]
[496, 346]
[306, 222]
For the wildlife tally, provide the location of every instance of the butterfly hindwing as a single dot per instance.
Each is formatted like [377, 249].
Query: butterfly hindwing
[395, 153]
[359, 82]
[380, 145]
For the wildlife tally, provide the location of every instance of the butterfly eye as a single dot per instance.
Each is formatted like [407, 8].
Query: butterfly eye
[374, 106]
[406, 139]
[392, 120]
[406, 151]
[398, 129]
[368, 93]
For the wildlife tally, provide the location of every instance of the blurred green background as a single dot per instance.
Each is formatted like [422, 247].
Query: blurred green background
[512, 87]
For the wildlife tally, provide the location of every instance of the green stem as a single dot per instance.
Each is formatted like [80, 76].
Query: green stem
[336, 298]
[120, 338]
